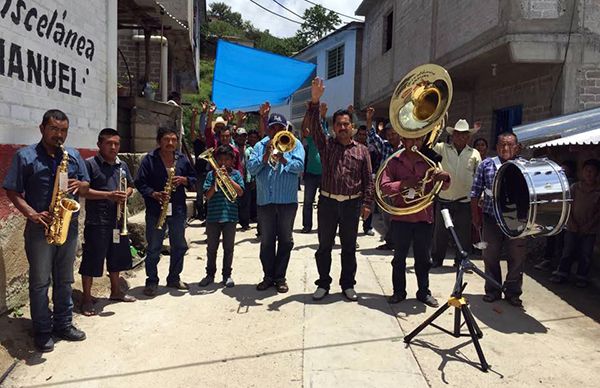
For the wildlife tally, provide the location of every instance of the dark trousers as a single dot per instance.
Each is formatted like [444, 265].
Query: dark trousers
[577, 246]
[213, 233]
[419, 235]
[311, 184]
[461, 217]
[276, 242]
[368, 223]
[253, 206]
[330, 215]
[200, 208]
[175, 225]
[244, 203]
[491, 258]
[554, 247]
[49, 265]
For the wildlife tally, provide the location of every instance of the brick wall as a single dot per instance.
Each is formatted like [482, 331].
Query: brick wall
[135, 55]
[588, 82]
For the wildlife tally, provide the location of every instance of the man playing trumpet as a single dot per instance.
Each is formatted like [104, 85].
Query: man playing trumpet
[103, 233]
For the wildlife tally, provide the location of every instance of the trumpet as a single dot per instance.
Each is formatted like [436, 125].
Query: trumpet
[283, 141]
[122, 209]
[223, 180]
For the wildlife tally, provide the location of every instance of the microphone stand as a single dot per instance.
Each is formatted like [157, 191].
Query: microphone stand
[456, 300]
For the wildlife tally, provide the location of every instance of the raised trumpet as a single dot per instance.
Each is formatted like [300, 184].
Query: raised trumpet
[283, 141]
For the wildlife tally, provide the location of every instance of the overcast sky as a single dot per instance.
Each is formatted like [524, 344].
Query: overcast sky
[281, 27]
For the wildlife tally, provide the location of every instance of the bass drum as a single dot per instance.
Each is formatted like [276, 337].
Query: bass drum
[531, 198]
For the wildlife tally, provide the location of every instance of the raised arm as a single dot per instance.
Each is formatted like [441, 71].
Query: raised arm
[264, 111]
[312, 118]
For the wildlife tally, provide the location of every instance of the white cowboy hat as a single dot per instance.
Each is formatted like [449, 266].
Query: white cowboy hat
[461, 126]
[219, 120]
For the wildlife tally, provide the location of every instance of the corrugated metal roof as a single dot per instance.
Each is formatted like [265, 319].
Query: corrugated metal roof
[560, 126]
[586, 138]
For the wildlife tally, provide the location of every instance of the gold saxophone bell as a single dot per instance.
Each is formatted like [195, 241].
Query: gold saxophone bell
[223, 180]
[283, 141]
[418, 108]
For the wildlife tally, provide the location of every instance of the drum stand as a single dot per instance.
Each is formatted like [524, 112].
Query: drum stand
[456, 300]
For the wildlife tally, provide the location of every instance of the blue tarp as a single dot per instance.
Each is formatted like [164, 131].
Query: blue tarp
[246, 77]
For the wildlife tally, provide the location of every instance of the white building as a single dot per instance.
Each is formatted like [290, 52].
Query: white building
[338, 58]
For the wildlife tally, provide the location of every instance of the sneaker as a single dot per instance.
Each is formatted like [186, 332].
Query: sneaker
[558, 279]
[43, 342]
[393, 299]
[350, 294]
[430, 301]
[487, 298]
[150, 290]
[179, 285]
[542, 265]
[320, 293]
[264, 285]
[70, 333]
[514, 301]
[206, 281]
[282, 287]
[369, 232]
[228, 282]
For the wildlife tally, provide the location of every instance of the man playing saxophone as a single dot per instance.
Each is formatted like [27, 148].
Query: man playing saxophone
[102, 236]
[29, 184]
[153, 182]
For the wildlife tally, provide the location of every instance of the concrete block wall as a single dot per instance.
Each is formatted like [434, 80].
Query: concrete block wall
[588, 82]
[543, 9]
[135, 55]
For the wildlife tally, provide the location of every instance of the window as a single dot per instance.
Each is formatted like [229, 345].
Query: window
[335, 62]
[388, 31]
[505, 119]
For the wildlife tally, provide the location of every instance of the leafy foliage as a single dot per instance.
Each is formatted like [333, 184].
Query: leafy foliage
[317, 23]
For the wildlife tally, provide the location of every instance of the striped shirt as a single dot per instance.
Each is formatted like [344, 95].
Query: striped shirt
[483, 183]
[346, 168]
[219, 209]
[280, 185]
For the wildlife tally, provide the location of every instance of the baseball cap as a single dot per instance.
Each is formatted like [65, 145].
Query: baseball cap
[277, 118]
[241, 131]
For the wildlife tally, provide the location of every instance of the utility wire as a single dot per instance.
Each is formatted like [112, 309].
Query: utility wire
[275, 13]
[289, 10]
[341, 14]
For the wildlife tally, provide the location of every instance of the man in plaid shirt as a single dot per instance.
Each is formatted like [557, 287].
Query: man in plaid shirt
[507, 147]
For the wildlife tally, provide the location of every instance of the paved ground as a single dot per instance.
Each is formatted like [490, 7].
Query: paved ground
[240, 337]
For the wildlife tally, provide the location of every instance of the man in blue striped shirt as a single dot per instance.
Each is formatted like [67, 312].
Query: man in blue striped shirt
[277, 200]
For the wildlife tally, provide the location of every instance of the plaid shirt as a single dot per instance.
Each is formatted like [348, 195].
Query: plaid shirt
[384, 147]
[483, 183]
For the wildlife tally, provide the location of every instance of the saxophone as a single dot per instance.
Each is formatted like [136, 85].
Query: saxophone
[168, 189]
[61, 207]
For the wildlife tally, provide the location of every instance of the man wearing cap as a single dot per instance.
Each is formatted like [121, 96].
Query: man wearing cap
[277, 200]
[346, 193]
[385, 148]
[461, 161]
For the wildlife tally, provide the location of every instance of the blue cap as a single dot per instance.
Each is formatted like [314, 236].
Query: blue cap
[277, 118]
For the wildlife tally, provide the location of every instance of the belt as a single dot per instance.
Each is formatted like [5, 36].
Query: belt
[340, 197]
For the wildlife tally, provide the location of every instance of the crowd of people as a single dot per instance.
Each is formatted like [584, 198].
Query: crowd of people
[245, 179]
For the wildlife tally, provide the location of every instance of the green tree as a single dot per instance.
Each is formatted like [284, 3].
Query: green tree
[224, 13]
[317, 23]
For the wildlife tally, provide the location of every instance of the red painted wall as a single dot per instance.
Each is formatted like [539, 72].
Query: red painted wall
[7, 152]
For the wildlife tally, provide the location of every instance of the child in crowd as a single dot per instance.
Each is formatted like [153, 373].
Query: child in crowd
[582, 226]
[221, 216]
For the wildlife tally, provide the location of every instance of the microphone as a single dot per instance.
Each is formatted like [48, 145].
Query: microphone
[447, 219]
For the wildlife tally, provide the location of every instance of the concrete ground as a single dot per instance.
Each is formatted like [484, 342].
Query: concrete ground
[218, 337]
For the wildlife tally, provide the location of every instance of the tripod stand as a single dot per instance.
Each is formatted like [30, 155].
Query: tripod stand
[456, 300]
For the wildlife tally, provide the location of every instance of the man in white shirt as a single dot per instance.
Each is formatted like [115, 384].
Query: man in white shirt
[461, 161]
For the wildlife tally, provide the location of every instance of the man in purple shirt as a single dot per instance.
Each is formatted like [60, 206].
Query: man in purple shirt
[405, 171]
[346, 193]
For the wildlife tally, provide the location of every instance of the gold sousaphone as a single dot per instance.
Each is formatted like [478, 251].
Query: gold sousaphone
[418, 108]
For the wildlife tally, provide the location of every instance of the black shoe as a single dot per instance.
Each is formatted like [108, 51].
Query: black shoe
[245, 228]
[305, 230]
[429, 301]
[393, 299]
[264, 285]
[282, 287]
[43, 342]
[179, 285]
[384, 247]
[436, 264]
[514, 301]
[70, 333]
[490, 298]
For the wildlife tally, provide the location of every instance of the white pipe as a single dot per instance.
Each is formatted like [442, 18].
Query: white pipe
[111, 64]
[164, 59]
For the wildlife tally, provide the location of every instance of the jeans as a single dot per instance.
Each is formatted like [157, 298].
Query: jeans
[176, 226]
[581, 244]
[491, 259]
[419, 234]
[213, 233]
[461, 217]
[50, 263]
[311, 184]
[330, 214]
[276, 241]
